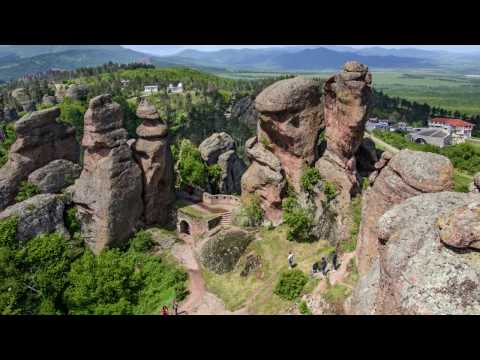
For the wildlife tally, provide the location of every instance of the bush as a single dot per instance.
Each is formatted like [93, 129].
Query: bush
[299, 220]
[350, 244]
[72, 112]
[142, 241]
[8, 232]
[310, 178]
[304, 309]
[329, 190]
[26, 191]
[10, 136]
[251, 211]
[71, 221]
[290, 284]
[190, 167]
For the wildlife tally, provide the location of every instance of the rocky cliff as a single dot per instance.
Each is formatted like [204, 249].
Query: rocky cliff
[40, 140]
[108, 193]
[152, 153]
[426, 264]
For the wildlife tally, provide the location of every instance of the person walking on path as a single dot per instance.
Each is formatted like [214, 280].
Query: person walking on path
[175, 307]
[290, 260]
[334, 260]
[164, 310]
[323, 266]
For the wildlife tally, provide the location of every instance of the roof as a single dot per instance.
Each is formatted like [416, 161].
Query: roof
[432, 132]
[452, 122]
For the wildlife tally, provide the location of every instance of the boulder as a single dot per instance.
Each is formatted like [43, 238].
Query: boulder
[232, 170]
[23, 99]
[60, 91]
[108, 194]
[460, 228]
[416, 274]
[215, 145]
[221, 253]
[152, 153]
[41, 214]
[55, 176]
[475, 185]
[9, 114]
[40, 140]
[244, 112]
[77, 92]
[49, 100]
[407, 174]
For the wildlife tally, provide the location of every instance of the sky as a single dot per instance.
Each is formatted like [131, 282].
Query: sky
[171, 49]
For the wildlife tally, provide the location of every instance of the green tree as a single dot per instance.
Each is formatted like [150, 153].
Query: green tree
[309, 179]
[72, 112]
[299, 220]
[190, 166]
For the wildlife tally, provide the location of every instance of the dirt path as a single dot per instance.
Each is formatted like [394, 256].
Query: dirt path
[199, 300]
[336, 276]
[380, 142]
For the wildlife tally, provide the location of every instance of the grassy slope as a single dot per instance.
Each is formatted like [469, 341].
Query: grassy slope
[258, 287]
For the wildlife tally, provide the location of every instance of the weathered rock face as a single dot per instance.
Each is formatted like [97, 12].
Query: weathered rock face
[77, 92]
[475, 185]
[264, 178]
[244, 112]
[291, 118]
[60, 92]
[219, 149]
[221, 253]
[41, 214]
[215, 145]
[49, 100]
[407, 174]
[347, 97]
[461, 227]
[9, 114]
[152, 153]
[416, 272]
[23, 99]
[108, 193]
[40, 140]
[55, 176]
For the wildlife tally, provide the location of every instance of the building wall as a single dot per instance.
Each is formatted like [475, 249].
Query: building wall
[221, 199]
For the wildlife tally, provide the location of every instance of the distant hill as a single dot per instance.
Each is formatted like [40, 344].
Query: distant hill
[13, 67]
[295, 59]
[25, 51]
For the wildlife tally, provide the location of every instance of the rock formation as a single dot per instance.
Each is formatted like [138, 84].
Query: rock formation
[152, 153]
[219, 149]
[49, 100]
[108, 193]
[416, 273]
[244, 112]
[55, 176]
[9, 114]
[407, 174]
[41, 214]
[23, 99]
[40, 140]
[475, 184]
[60, 92]
[77, 92]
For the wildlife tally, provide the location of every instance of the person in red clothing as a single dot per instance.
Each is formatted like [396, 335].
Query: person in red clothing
[165, 310]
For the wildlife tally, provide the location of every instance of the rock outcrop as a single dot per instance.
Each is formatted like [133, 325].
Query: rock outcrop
[77, 92]
[221, 253]
[108, 194]
[244, 112]
[152, 153]
[416, 273]
[219, 149]
[55, 176]
[40, 140]
[41, 214]
[407, 174]
[215, 145]
[475, 184]
[23, 99]
[49, 100]
[9, 114]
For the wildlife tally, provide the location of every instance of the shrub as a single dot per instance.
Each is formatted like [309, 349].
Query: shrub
[329, 190]
[290, 284]
[142, 241]
[251, 211]
[214, 173]
[71, 221]
[26, 191]
[8, 232]
[299, 220]
[190, 167]
[350, 244]
[310, 178]
[304, 309]
[10, 136]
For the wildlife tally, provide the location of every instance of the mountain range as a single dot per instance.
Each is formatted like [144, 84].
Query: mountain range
[19, 60]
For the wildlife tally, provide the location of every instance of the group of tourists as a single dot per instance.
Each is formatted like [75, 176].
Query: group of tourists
[174, 308]
[319, 266]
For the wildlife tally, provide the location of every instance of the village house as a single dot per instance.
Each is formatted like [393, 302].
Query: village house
[124, 83]
[150, 89]
[433, 136]
[175, 88]
[458, 128]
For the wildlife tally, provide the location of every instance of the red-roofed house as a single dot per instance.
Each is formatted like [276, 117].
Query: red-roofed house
[459, 128]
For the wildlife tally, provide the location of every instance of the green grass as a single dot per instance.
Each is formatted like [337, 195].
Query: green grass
[461, 181]
[256, 290]
[335, 296]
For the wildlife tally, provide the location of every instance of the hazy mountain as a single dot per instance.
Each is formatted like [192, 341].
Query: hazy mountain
[13, 67]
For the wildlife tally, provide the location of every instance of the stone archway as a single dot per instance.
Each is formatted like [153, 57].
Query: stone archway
[185, 227]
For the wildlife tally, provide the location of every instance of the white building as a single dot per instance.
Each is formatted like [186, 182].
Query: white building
[150, 89]
[460, 129]
[175, 88]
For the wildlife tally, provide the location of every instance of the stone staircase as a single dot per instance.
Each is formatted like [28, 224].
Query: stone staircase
[226, 219]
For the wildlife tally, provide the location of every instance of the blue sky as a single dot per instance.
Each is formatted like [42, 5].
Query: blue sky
[171, 49]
